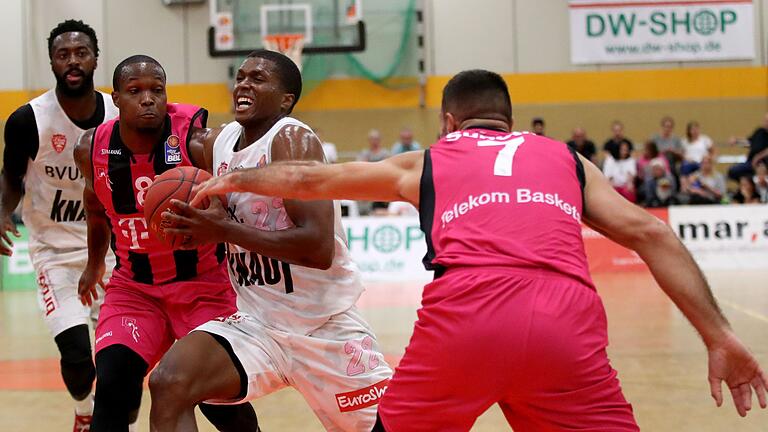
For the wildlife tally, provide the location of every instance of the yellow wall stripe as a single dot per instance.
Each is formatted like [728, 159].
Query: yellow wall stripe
[538, 88]
[627, 86]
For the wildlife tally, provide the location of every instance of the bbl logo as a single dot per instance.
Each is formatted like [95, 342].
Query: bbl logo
[222, 169]
[172, 150]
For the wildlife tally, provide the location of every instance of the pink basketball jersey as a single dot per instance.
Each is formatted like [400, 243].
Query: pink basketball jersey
[121, 180]
[508, 200]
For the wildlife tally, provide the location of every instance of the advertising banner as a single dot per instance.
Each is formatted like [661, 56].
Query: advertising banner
[622, 31]
[731, 237]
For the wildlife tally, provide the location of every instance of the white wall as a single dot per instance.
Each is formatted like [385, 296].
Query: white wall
[518, 36]
[175, 36]
[503, 35]
[12, 48]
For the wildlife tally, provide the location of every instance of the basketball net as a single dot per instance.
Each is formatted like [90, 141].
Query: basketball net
[290, 44]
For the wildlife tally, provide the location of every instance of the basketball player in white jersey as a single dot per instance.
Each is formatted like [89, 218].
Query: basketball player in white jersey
[297, 324]
[39, 139]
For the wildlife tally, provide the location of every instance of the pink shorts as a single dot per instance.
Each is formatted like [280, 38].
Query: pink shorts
[149, 318]
[533, 343]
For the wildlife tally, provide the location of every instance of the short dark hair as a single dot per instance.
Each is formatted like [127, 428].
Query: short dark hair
[288, 72]
[475, 93]
[73, 26]
[537, 121]
[138, 58]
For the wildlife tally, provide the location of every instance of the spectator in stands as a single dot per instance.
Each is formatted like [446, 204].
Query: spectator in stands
[329, 148]
[537, 126]
[758, 152]
[660, 187]
[669, 144]
[761, 181]
[705, 186]
[622, 172]
[402, 208]
[650, 154]
[375, 152]
[695, 146]
[582, 144]
[747, 193]
[611, 146]
[406, 142]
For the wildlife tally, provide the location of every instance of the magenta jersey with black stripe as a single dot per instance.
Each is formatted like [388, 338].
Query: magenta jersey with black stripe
[513, 200]
[121, 180]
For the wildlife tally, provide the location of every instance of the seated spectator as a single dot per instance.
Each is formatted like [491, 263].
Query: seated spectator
[611, 146]
[537, 126]
[406, 142]
[761, 181]
[747, 193]
[695, 146]
[669, 144]
[375, 152]
[621, 172]
[650, 154]
[660, 187]
[758, 152]
[583, 145]
[705, 186]
[329, 148]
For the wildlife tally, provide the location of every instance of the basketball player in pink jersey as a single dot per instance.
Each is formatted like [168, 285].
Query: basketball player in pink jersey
[512, 316]
[155, 295]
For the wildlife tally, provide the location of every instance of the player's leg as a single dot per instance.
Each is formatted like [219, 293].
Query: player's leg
[462, 356]
[193, 303]
[67, 319]
[575, 388]
[120, 374]
[131, 335]
[197, 368]
[339, 370]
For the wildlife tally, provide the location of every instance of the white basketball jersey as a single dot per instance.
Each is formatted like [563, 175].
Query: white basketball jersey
[53, 185]
[288, 297]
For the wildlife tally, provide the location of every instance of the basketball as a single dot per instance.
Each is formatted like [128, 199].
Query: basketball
[176, 183]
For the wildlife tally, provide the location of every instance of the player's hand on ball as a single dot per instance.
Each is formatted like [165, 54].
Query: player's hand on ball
[730, 361]
[8, 226]
[86, 287]
[197, 226]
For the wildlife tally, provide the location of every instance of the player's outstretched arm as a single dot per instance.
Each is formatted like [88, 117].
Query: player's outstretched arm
[681, 279]
[97, 221]
[393, 179]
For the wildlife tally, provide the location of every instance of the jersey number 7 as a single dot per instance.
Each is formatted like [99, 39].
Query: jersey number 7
[505, 157]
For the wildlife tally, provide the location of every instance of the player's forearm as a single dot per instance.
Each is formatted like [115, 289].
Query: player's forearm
[299, 245]
[681, 279]
[10, 194]
[99, 236]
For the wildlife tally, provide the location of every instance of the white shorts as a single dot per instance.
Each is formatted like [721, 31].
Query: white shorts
[337, 368]
[57, 294]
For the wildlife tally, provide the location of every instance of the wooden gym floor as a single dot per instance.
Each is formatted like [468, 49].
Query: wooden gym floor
[661, 362]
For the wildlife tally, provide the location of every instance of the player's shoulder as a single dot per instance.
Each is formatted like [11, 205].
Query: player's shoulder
[287, 126]
[23, 115]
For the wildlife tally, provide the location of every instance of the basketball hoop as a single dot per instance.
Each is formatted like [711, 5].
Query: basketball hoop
[290, 44]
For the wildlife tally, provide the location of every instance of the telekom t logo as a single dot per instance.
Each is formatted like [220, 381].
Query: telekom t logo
[135, 230]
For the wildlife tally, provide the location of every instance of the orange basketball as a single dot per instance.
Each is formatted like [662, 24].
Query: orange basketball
[176, 183]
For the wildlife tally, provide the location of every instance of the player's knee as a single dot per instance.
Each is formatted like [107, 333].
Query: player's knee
[77, 367]
[119, 370]
[168, 383]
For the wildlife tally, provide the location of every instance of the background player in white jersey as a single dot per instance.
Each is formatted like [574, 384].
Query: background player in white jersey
[297, 286]
[39, 139]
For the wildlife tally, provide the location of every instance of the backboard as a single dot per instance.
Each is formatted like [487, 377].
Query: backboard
[328, 26]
